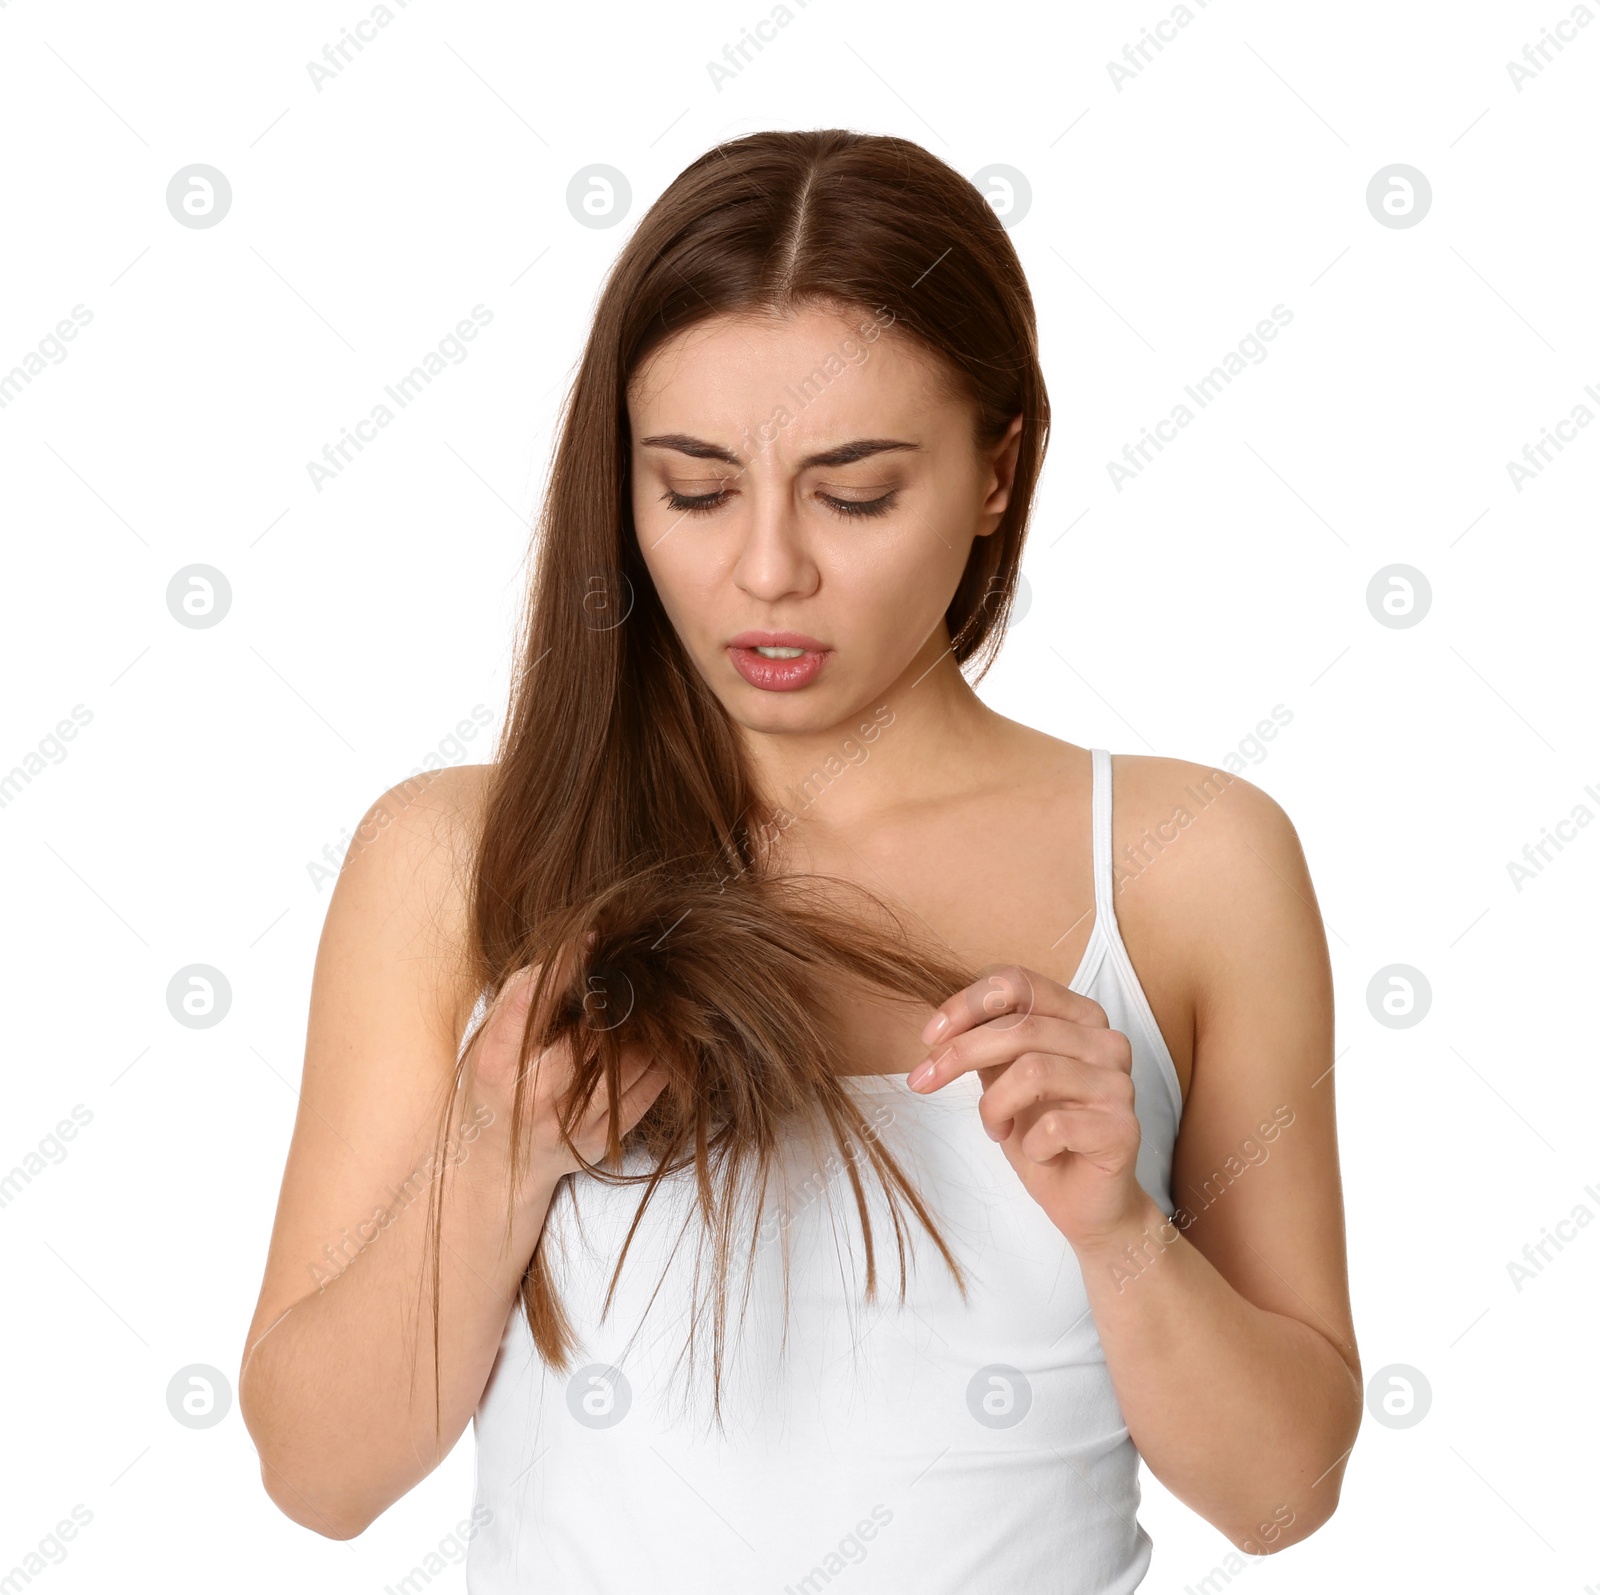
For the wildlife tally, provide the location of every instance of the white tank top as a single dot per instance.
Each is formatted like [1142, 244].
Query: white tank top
[938, 1446]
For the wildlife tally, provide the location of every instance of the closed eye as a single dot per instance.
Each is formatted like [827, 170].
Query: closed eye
[845, 509]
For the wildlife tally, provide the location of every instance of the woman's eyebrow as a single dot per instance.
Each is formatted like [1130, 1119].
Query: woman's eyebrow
[841, 454]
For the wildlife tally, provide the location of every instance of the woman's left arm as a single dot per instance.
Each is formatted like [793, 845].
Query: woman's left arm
[1226, 1325]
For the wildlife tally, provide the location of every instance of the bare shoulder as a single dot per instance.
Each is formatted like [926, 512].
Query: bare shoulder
[1210, 883]
[404, 887]
[435, 807]
[1191, 837]
[1170, 796]
[1198, 849]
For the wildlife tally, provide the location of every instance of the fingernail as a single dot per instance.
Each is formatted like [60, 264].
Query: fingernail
[935, 1028]
[921, 1074]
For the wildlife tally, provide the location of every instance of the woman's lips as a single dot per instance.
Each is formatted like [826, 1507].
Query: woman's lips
[777, 675]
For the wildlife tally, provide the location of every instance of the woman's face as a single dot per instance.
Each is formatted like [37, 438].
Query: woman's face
[806, 493]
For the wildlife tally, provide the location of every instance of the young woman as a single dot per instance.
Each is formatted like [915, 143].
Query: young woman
[767, 968]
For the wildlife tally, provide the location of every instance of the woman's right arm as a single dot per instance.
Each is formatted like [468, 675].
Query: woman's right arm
[326, 1390]
[337, 1385]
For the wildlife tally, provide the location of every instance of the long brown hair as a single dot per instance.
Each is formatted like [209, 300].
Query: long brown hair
[625, 839]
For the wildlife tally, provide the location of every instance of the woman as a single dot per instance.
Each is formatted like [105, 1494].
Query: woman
[759, 911]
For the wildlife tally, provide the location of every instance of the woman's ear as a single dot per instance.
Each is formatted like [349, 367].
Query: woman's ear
[1003, 469]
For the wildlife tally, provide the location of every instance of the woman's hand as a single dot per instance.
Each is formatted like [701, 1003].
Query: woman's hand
[549, 1074]
[1058, 1095]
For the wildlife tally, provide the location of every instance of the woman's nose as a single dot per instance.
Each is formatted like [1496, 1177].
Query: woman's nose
[774, 559]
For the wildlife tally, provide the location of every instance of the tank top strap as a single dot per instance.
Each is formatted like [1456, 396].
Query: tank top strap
[1105, 913]
[479, 1008]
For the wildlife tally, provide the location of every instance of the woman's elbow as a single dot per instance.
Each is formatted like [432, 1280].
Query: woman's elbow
[1293, 1520]
[333, 1520]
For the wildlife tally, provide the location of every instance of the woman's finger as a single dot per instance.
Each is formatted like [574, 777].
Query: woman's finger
[993, 1045]
[1042, 1081]
[1009, 990]
[1094, 1133]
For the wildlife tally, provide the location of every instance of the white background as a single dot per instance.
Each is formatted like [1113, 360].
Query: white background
[1167, 217]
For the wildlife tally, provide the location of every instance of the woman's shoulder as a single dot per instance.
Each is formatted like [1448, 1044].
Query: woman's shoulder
[1195, 848]
[405, 884]
[1152, 791]
[1208, 872]
[429, 806]
[1155, 792]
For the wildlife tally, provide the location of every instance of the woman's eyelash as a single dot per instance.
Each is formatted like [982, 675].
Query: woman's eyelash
[845, 509]
[691, 504]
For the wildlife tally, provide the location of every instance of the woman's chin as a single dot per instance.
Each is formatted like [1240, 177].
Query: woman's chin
[778, 714]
